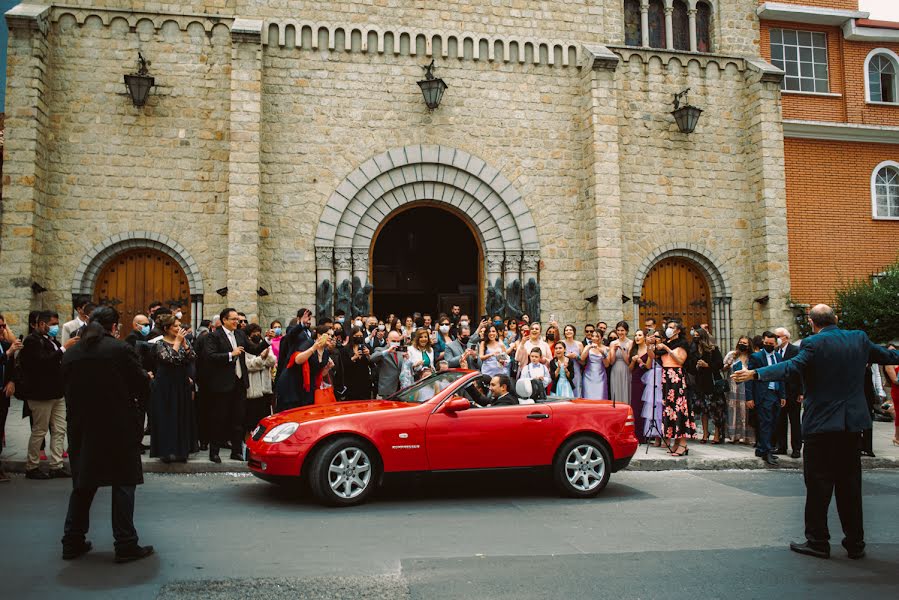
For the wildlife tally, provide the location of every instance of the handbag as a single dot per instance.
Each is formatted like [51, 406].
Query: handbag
[719, 385]
[324, 394]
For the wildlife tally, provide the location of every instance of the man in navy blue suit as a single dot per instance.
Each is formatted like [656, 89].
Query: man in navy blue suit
[767, 397]
[832, 365]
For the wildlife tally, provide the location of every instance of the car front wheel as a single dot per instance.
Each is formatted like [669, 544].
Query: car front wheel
[344, 472]
[582, 467]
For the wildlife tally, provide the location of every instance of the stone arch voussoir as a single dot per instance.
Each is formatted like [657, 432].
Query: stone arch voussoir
[711, 266]
[89, 269]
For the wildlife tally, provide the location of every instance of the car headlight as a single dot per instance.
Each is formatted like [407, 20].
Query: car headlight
[281, 433]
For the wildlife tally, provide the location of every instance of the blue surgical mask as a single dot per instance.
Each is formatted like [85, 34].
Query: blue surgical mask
[54, 331]
[145, 330]
[277, 332]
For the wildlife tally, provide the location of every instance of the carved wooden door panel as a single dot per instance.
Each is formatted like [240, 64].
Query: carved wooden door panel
[133, 279]
[676, 288]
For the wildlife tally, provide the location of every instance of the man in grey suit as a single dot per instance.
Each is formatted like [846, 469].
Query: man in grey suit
[389, 362]
[458, 349]
[832, 365]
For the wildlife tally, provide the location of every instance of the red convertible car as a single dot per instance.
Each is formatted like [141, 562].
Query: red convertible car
[344, 449]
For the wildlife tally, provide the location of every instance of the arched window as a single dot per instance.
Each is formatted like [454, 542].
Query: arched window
[703, 27]
[633, 35]
[656, 24]
[882, 67]
[885, 190]
[680, 22]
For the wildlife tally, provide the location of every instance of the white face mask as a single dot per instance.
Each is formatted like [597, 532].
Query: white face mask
[358, 323]
[178, 315]
[444, 329]
[669, 332]
[381, 328]
[463, 323]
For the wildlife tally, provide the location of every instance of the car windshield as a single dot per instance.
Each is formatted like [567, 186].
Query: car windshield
[427, 388]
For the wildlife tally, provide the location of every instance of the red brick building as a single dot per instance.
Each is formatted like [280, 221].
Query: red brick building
[841, 139]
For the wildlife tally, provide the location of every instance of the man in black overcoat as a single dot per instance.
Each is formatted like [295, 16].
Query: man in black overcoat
[226, 383]
[103, 380]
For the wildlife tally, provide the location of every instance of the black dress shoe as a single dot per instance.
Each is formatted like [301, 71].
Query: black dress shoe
[36, 474]
[215, 458]
[809, 550]
[781, 451]
[236, 456]
[133, 553]
[60, 473]
[796, 454]
[73, 552]
[771, 460]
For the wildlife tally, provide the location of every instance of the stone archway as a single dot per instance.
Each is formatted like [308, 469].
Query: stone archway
[435, 175]
[716, 278]
[85, 277]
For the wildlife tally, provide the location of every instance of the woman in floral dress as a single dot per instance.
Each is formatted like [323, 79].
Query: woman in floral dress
[677, 420]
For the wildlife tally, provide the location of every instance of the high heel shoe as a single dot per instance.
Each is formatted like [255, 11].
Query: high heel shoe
[679, 454]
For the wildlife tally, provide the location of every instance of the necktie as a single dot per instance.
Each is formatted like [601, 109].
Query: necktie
[233, 342]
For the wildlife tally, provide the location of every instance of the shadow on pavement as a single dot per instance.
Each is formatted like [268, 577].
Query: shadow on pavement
[97, 571]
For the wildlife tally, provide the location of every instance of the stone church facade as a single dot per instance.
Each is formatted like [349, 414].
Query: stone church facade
[281, 136]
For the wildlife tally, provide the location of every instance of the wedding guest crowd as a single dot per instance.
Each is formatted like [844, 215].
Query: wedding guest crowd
[210, 387]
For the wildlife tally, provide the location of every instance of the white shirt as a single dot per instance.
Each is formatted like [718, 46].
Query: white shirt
[230, 335]
[533, 371]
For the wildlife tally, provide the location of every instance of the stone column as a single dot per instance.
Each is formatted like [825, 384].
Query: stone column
[324, 282]
[669, 24]
[513, 267]
[360, 264]
[343, 263]
[244, 165]
[763, 129]
[24, 169]
[530, 265]
[494, 266]
[691, 13]
[644, 22]
[601, 217]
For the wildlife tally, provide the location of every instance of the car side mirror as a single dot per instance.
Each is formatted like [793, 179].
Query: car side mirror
[456, 404]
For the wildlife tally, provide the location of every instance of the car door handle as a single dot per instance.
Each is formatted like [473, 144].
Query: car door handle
[538, 416]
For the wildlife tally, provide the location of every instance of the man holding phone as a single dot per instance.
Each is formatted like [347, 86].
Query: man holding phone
[389, 361]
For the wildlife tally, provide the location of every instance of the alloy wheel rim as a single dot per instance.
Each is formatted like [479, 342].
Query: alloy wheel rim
[585, 467]
[349, 473]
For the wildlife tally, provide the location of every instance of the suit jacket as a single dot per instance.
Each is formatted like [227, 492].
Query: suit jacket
[68, 330]
[453, 354]
[389, 365]
[755, 389]
[793, 384]
[105, 426]
[832, 366]
[38, 375]
[218, 365]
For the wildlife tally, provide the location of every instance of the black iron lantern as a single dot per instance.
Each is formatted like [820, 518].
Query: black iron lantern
[432, 88]
[139, 83]
[686, 116]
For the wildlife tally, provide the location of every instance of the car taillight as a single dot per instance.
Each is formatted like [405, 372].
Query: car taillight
[629, 421]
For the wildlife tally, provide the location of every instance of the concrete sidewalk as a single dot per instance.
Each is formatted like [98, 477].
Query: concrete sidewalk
[701, 457]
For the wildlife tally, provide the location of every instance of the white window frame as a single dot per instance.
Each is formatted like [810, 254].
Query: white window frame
[799, 63]
[892, 55]
[874, 215]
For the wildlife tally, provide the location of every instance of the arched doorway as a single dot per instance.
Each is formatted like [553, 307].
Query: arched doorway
[676, 288]
[425, 259]
[132, 279]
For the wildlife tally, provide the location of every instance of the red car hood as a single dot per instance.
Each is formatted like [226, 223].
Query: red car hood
[337, 409]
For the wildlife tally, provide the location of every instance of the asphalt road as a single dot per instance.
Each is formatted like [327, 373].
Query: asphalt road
[649, 535]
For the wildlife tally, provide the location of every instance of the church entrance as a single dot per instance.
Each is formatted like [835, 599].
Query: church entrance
[676, 288]
[425, 259]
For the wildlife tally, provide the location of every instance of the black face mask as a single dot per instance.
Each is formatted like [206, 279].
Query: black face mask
[357, 340]
[742, 347]
[769, 348]
[463, 339]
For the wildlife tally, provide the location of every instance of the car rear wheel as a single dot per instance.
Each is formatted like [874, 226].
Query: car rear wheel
[582, 467]
[344, 472]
